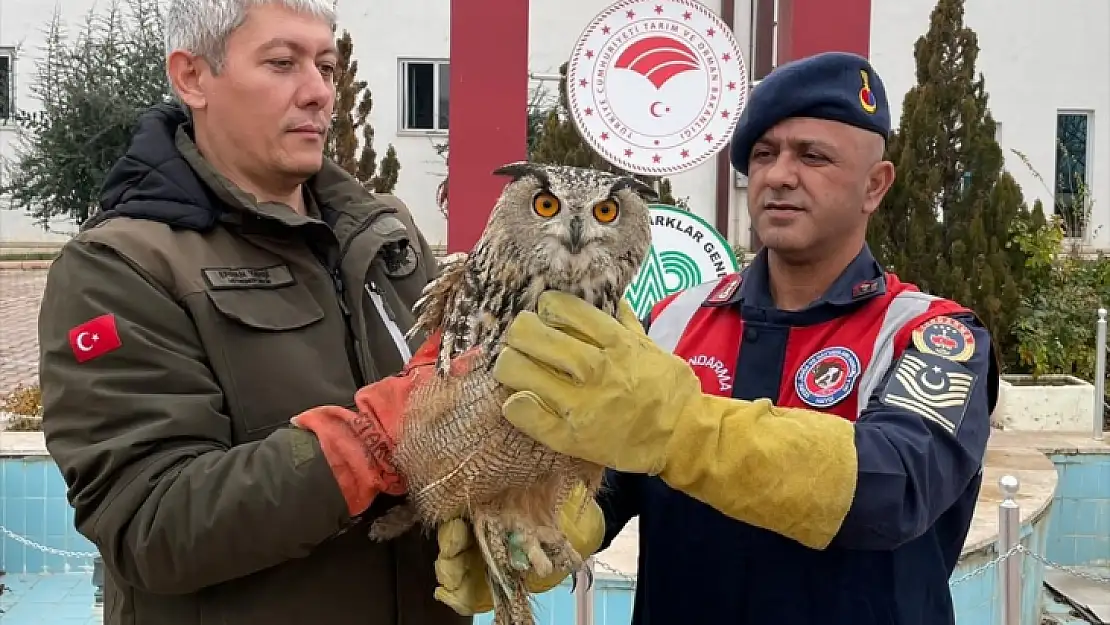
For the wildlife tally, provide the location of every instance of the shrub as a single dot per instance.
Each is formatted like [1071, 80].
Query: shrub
[25, 404]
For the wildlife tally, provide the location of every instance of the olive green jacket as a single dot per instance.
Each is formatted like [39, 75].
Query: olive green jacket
[231, 317]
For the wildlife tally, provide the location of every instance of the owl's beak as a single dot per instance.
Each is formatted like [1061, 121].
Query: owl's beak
[575, 235]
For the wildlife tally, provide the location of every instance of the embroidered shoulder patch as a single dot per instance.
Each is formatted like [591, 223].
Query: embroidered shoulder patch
[724, 290]
[400, 259]
[94, 338]
[932, 387]
[945, 337]
[863, 289]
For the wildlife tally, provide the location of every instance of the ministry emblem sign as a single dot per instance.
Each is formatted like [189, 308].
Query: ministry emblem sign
[656, 86]
[685, 251]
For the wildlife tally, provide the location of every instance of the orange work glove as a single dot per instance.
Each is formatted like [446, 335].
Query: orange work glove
[359, 445]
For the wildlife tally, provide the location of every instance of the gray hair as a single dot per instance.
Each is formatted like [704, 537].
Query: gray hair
[202, 27]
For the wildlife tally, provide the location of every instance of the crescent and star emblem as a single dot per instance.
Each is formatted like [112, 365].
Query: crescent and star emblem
[656, 87]
[933, 386]
[86, 341]
[94, 338]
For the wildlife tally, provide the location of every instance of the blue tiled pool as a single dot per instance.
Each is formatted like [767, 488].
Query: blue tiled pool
[975, 588]
[1080, 533]
[52, 588]
[612, 604]
[50, 599]
[33, 505]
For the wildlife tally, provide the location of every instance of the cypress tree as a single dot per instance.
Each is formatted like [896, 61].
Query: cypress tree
[353, 103]
[946, 223]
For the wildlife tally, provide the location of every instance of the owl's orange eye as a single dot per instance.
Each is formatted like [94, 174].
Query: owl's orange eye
[606, 211]
[545, 205]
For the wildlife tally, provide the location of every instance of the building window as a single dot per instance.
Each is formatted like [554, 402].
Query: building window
[425, 86]
[1072, 170]
[7, 83]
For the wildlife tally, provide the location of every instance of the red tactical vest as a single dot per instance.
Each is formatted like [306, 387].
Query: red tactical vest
[833, 366]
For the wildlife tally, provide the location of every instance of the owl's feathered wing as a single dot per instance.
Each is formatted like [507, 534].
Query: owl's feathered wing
[454, 422]
[461, 457]
[432, 308]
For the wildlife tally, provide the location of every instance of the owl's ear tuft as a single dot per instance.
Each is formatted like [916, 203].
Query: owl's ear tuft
[517, 170]
[636, 186]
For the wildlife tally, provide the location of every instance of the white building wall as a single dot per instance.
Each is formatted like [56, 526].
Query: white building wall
[1037, 58]
[384, 33]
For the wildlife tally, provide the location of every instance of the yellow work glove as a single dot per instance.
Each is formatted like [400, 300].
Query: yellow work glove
[573, 362]
[595, 387]
[461, 571]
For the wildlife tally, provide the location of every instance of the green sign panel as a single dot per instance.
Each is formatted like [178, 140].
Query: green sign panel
[685, 251]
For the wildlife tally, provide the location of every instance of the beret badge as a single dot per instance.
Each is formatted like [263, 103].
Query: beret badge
[866, 98]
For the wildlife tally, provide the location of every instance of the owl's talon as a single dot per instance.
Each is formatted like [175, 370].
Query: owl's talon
[589, 577]
[560, 554]
[541, 563]
[529, 551]
[589, 572]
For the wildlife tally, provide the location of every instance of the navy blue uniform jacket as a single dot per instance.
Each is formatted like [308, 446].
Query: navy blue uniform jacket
[699, 567]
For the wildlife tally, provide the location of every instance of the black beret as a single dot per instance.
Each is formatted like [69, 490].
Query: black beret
[837, 86]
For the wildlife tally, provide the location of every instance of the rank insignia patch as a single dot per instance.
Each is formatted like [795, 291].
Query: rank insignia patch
[725, 289]
[945, 337]
[932, 387]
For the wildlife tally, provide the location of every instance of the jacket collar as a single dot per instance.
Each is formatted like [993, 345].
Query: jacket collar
[861, 280]
[163, 177]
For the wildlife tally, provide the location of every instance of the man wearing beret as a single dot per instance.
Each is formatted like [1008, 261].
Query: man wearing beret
[803, 441]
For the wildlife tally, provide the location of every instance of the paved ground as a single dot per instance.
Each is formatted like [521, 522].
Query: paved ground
[62, 599]
[20, 293]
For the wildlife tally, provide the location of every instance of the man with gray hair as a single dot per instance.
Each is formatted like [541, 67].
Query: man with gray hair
[223, 360]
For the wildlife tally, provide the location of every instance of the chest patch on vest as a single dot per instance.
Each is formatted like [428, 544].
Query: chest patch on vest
[827, 377]
[248, 277]
[931, 387]
[945, 337]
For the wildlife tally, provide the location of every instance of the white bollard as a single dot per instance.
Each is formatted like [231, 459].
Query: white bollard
[1100, 373]
[584, 594]
[1009, 533]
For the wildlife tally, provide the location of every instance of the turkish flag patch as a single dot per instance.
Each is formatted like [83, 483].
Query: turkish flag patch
[94, 338]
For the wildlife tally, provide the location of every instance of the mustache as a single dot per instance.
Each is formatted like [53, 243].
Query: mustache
[775, 200]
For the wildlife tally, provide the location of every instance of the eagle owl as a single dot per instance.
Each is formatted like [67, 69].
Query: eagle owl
[581, 231]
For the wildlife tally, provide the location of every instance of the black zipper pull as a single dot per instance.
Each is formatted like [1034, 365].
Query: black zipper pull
[341, 291]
